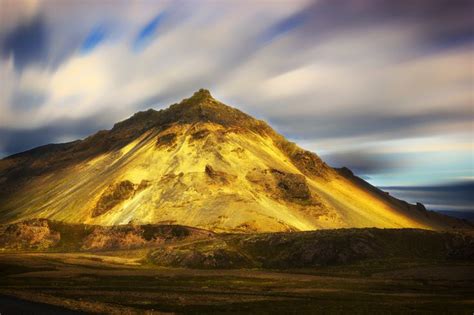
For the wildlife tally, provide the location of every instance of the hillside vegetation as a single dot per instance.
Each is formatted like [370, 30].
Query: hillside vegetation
[180, 246]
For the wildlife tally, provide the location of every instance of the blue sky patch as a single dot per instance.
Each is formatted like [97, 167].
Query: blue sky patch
[147, 33]
[288, 24]
[95, 37]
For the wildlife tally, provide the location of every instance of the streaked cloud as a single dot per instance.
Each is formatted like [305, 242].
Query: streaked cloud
[452, 198]
[28, 43]
[336, 76]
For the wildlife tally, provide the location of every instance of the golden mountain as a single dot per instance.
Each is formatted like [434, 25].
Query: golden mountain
[198, 163]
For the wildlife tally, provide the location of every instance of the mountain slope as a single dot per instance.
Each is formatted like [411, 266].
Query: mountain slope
[198, 163]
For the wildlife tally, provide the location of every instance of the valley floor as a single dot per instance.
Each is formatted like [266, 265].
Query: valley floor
[120, 283]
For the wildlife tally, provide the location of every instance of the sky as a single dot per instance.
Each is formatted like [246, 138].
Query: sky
[382, 87]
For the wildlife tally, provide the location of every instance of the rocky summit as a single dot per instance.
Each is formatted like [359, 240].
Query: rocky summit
[198, 163]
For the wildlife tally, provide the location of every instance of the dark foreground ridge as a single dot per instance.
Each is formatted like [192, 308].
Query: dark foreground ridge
[131, 269]
[180, 246]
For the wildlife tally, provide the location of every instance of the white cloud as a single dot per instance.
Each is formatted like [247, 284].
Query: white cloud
[376, 71]
[16, 12]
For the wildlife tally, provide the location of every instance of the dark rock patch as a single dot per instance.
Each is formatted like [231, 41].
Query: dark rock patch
[213, 258]
[166, 140]
[293, 186]
[201, 134]
[113, 196]
[117, 193]
[307, 162]
[218, 176]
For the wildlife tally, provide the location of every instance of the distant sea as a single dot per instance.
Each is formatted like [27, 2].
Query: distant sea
[455, 199]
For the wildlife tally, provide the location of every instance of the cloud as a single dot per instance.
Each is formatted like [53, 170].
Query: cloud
[15, 13]
[27, 43]
[329, 72]
[59, 132]
[365, 162]
[455, 196]
[285, 25]
[374, 125]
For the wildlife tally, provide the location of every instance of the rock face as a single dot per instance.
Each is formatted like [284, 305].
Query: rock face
[135, 236]
[197, 163]
[293, 186]
[31, 234]
[44, 235]
[116, 194]
[113, 196]
[123, 237]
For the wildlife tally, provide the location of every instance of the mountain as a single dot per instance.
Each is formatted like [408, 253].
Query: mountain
[198, 163]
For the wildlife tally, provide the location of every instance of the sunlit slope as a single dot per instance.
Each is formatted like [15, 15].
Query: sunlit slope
[206, 165]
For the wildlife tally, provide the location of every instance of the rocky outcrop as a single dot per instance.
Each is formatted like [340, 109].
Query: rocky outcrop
[45, 235]
[32, 234]
[211, 258]
[116, 194]
[293, 186]
[218, 176]
[106, 238]
[167, 140]
[290, 187]
[307, 162]
[138, 236]
[310, 164]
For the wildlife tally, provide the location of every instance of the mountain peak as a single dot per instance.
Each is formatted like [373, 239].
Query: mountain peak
[200, 98]
[200, 107]
[202, 94]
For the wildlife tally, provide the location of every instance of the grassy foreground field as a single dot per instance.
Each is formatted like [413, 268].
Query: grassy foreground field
[132, 269]
[121, 282]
